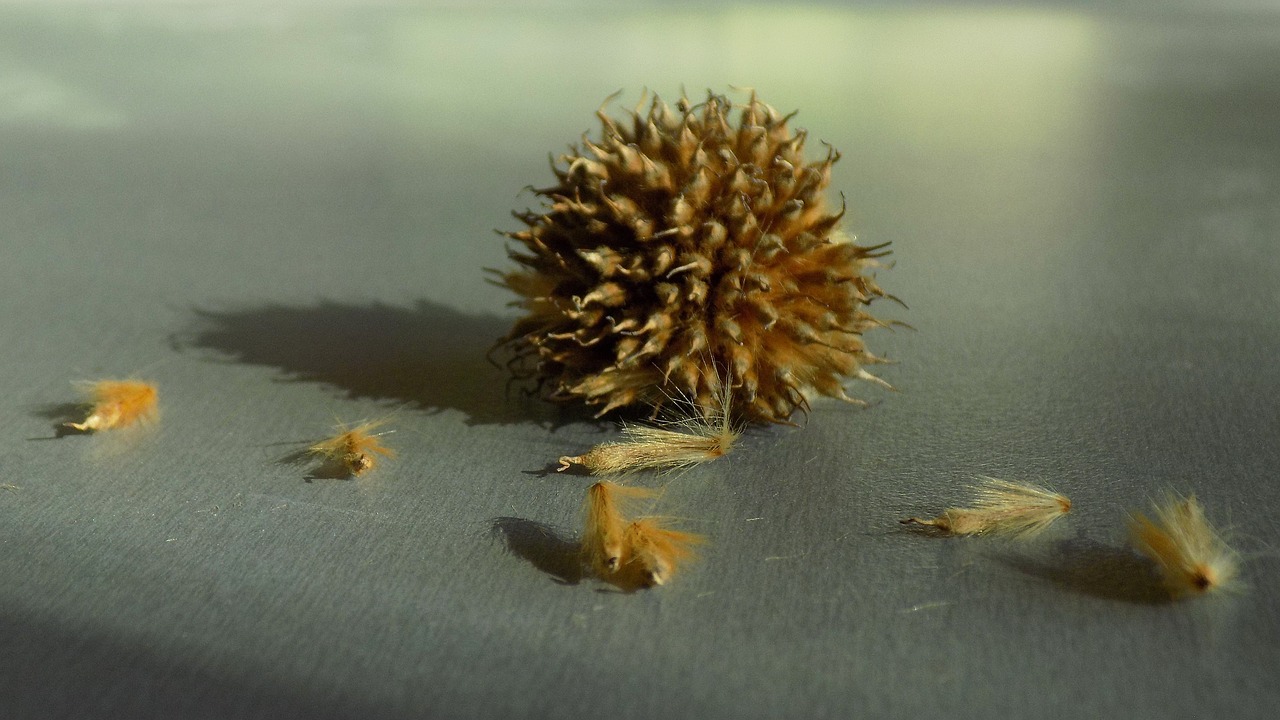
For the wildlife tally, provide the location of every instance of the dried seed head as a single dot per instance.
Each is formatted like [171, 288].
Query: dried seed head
[713, 246]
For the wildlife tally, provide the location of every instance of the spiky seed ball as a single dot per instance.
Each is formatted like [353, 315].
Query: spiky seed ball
[680, 249]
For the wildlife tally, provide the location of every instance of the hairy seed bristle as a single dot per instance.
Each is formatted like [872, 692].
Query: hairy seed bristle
[356, 449]
[117, 404]
[1001, 507]
[657, 551]
[677, 444]
[1190, 555]
[605, 510]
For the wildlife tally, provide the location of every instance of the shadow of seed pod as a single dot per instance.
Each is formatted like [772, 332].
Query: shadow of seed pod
[682, 247]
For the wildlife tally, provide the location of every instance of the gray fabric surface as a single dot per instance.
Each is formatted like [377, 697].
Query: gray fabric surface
[281, 217]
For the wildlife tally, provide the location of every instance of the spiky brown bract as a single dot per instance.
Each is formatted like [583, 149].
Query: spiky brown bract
[1191, 556]
[679, 243]
[117, 404]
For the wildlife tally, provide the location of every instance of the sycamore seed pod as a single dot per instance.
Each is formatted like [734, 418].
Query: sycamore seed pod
[679, 248]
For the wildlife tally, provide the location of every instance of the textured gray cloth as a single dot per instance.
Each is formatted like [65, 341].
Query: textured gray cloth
[282, 218]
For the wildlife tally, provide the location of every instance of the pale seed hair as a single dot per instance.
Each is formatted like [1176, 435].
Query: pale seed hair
[1191, 556]
[679, 444]
[679, 242]
[355, 449]
[605, 510]
[116, 404]
[1001, 507]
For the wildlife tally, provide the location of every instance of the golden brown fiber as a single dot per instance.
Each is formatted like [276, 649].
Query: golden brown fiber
[1002, 507]
[651, 448]
[604, 542]
[680, 242]
[1191, 556]
[356, 449]
[697, 440]
[117, 404]
[656, 551]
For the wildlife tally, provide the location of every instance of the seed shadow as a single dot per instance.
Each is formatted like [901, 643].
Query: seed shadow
[542, 546]
[329, 470]
[320, 468]
[1091, 568]
[555, 467]
[426, 356]
[58, 415]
